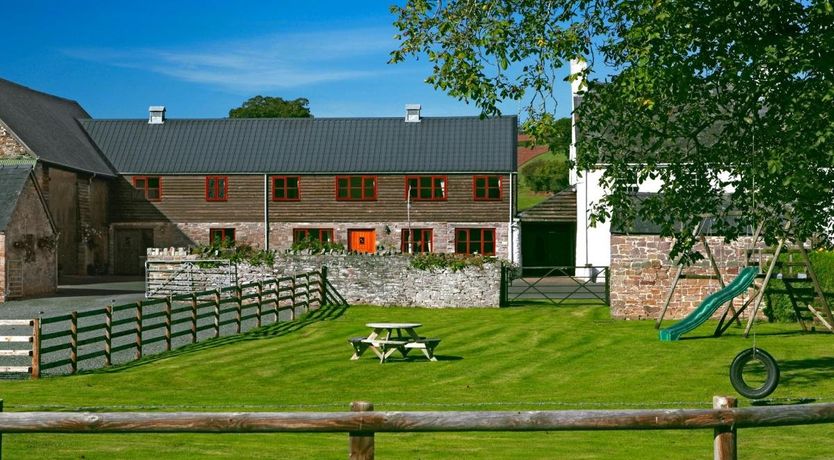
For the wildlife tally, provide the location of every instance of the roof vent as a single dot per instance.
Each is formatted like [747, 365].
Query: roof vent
[412, 113]
[156, 115]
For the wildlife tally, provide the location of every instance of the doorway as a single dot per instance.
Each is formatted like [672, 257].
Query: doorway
[131, 250]
[363, 241]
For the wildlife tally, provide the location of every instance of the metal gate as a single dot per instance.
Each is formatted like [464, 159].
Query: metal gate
[557, 284]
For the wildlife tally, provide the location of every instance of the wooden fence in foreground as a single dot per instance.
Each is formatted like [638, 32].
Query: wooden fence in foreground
[362, 422]
[64, 341]
[10, 351]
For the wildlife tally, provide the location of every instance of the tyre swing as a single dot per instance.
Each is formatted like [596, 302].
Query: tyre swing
[771, 370]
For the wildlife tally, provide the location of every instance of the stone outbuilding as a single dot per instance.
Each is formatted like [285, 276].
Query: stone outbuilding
[28, 238]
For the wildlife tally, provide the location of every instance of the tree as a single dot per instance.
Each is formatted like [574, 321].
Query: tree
[272, 107]
[548, 130]
[546, 175]
[704, 94]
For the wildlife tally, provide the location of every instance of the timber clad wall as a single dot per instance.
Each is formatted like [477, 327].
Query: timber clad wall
[641, 275]
[77, 200]
[183, 200]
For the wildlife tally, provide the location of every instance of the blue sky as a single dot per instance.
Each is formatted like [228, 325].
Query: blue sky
[201, 58]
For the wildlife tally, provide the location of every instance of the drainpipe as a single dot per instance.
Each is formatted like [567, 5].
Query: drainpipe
[266, 212]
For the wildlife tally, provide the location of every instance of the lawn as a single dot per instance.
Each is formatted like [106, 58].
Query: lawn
[530, 358]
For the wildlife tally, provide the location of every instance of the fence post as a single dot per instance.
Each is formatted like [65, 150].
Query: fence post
[292, 310]
[361, 442]
[168, 303]
[193, 318]
[276, 294]
[108, 335]
[239, 310]
[724, 441]
[138, 330]
[608, 285]
[260, 302]
[502, 290]
[307, 292]
[36, 357]
[217, 312]
[323, 286]
[74, 341]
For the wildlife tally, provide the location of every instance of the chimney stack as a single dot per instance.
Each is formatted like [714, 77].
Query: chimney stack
[412, 113]
[156, 115]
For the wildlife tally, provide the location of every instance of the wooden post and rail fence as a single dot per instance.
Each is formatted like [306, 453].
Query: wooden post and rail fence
[64, 341]
[362, 422]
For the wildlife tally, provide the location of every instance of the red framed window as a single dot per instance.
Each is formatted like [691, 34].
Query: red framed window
[475, 240]
[285, 188]
[149, 186]
[426, 188]
[217, 188]
[222, 236]
[321, 234]
[486, 188]
[356, 188]
[420, 240]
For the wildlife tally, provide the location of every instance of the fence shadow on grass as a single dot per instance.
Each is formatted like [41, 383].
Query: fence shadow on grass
[264, 332]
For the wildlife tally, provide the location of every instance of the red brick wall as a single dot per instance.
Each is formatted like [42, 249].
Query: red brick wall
[642, 273]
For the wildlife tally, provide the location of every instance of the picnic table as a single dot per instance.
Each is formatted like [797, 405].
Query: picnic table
[386, 338]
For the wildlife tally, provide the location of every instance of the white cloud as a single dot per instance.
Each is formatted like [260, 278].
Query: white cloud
[263, 63]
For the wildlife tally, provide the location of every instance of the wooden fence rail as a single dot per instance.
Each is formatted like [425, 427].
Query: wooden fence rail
[362, 422]
[64, 341]
[16, 353]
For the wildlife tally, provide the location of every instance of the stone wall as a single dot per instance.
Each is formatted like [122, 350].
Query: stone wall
[27, 243]
[2, 267]
[642, 273]
[10, 148]
[388, 235]
[385, 280]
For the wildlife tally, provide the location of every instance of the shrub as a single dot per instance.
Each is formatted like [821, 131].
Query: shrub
[431, 260]
[316, 246]
[234, 253]
[778, 304]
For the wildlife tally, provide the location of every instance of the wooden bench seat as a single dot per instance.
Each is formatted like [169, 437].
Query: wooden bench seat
[424, 343]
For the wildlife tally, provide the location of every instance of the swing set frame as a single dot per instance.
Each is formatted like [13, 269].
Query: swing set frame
[731, 314]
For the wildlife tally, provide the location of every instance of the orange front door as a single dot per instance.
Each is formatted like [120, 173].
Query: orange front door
[362, 241]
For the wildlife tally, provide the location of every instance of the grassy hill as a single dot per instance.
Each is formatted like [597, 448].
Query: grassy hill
[520, 358]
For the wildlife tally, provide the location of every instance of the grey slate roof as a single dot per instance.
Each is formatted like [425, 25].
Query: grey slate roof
[561, 207]
[308, 145]
[48, 125]
[12, 180]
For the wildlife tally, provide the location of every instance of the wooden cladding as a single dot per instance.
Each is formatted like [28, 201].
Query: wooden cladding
[183, 200]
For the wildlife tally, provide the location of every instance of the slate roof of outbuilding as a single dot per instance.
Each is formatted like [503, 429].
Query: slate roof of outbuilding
[561, 207]
[12, 180]
[49, 126]
[308, 145]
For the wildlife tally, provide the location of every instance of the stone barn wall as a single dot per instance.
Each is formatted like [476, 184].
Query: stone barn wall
[385, 280]
[29, 243]
[642, 273]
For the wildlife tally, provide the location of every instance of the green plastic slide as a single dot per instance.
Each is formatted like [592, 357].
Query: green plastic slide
[710, 304]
